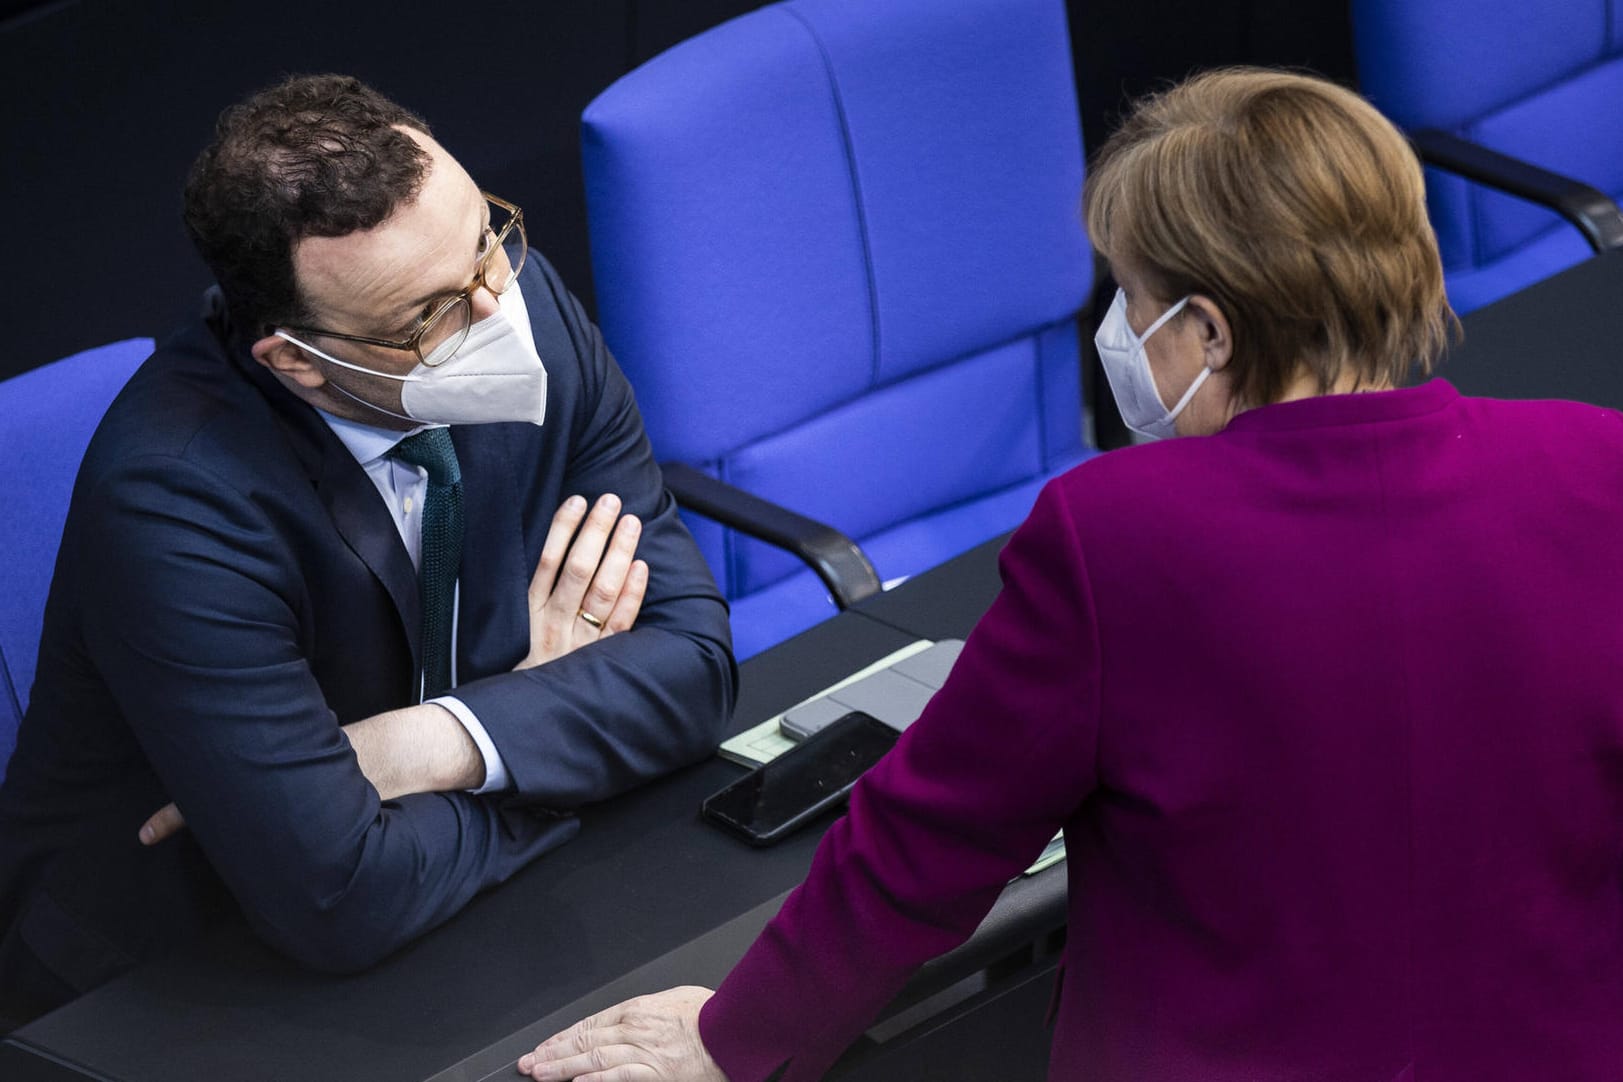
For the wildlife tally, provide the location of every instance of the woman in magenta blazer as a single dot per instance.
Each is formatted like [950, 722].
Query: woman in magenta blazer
[1328, 695]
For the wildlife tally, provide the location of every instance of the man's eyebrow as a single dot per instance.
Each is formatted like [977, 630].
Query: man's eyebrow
[409, 309]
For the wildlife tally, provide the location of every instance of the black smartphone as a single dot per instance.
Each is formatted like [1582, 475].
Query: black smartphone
[778, 797]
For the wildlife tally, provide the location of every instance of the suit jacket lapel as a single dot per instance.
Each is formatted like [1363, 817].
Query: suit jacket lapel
[351, 500]
[361, 517]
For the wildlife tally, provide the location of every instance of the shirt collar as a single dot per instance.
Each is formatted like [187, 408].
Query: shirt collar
[367, 443]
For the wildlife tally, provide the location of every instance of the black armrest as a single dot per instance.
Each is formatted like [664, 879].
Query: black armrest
[1027, 915]
[1591, 210]
[838, 561]
[1021, 939]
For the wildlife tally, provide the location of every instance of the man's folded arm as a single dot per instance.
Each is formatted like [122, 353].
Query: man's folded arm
[190, 615]
[641, 703]
[630, 707]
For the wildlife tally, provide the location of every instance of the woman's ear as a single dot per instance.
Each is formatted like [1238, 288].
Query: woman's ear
[1212, 327]
[288, 361]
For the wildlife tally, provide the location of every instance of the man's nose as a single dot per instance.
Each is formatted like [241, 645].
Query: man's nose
[484, 303]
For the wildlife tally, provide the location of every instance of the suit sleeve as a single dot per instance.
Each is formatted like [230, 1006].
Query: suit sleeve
[641, 703]
[191, 615]
[999, 760]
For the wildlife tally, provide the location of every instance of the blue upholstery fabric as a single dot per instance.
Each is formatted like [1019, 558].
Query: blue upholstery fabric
[1540, 82]
[772, 614]
[46, 419]
[838, 252]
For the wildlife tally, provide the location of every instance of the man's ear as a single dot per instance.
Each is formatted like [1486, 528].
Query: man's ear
[1212, 326]
[288, 361]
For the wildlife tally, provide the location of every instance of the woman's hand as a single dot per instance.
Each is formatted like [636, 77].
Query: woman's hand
[648, 1039]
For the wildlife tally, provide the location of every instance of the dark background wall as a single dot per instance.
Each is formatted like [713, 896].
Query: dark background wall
[103, 104]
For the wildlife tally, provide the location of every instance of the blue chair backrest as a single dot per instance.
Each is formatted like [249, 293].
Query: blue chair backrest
[1539, 81]
[47, 417]
[838, 251]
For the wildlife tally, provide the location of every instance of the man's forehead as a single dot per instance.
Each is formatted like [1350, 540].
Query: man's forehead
[373, 274]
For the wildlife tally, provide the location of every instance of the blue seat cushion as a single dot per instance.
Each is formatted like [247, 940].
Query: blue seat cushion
[793, 604]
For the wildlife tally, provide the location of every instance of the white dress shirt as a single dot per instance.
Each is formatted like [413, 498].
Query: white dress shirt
[403, 488]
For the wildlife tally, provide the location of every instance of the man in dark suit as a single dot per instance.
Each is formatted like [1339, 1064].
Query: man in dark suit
[370, 570]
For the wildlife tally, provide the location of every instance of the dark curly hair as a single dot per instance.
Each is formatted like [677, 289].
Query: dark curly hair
[314, 156]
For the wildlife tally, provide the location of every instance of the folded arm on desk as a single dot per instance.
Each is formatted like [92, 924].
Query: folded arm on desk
[194, 628]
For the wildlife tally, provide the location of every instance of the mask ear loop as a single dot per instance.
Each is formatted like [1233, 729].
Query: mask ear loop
[373, 405]
[1158, 324]
[408, 378]
[355, 368]
[1172, 414]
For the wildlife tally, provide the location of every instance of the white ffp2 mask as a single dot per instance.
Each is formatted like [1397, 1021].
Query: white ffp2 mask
[495, 375]
[1127, 367]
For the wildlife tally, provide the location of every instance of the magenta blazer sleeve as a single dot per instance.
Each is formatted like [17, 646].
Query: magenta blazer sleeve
[999, 760]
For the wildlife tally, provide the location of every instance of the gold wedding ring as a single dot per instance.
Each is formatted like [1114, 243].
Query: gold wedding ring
[590, 619]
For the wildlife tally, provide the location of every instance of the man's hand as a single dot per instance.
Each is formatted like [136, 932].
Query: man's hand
[648, 1039]
[417, 749]
[589, 589]
[166, 821]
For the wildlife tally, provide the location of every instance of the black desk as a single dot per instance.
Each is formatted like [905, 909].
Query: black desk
[1560, 338]
[646, 896]
[944, 602]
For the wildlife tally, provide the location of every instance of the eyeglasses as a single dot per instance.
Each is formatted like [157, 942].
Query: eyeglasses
[443, 329]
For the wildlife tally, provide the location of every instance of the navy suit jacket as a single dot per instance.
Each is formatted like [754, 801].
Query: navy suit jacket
[231, 589]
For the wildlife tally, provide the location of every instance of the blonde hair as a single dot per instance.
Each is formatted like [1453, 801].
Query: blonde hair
[1297, 208]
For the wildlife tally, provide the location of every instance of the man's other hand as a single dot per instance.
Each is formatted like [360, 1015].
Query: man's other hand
[166, 821]
[587, 586]
[416, 749]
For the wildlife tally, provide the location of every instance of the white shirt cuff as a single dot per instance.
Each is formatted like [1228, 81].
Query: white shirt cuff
[495, 770]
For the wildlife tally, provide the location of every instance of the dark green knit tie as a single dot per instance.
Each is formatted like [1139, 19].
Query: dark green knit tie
[441, 549]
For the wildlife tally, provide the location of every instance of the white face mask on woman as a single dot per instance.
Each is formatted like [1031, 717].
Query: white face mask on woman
[1127, 367]
[495, 375]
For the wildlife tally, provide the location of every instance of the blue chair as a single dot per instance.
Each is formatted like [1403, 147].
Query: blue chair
[46, 419]
[838, 252]
[1518, 96]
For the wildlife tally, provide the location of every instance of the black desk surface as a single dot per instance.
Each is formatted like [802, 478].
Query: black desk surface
[944, 602]
[644, 877]
[1560, 338]
[646, 896]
